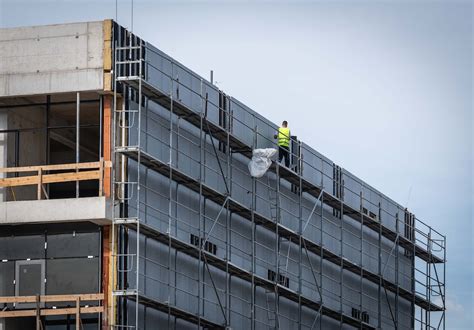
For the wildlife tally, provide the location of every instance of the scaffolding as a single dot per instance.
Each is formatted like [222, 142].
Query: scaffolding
[408, 269]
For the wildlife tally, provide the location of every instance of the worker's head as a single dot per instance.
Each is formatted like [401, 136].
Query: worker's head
[284, 124]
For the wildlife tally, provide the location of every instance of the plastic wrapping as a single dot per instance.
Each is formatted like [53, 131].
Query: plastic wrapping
[261, 161]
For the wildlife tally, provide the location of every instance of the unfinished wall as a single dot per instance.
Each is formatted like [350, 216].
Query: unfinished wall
[51, 59]
[50, 257]
[32, 145]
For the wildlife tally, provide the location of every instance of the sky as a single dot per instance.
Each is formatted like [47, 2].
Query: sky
[382, 88]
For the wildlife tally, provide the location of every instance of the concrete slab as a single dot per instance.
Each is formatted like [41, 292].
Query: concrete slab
[94, 209]
[51, 59]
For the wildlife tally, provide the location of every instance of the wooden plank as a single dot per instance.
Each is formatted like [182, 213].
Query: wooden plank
[101, 176]
[72, 297]
[50, 178]
[18, 313]
[21, 299]
[107, 50]
[40, 182]
[19, 181]
[38, 313]
[107, 141]
[57, 167]
[52, 298]
[107, 28]
[78, 313]
[107, 82]
[106, 274]
[47, 312]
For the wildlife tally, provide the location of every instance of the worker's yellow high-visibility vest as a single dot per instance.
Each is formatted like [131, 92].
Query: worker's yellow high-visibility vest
[284, 136]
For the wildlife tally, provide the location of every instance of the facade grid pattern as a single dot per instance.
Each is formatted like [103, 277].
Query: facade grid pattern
[199, 242]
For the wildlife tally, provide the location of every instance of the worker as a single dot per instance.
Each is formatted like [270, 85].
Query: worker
[283, 136]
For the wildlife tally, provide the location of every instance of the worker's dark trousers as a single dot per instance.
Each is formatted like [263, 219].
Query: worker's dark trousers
[284, 151]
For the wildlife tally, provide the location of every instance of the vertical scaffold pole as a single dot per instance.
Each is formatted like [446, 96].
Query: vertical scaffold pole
[201, 179]
[428, 284]
[137, 280]
[444, 283]
[78, 134]
[341, 273]
[361, 261]
[228, 179]
[379, 252]
[300, 230]
[321, 253]
[397, 252]
[277, 249]
[254, 269]
[114, 229]
[170, 190]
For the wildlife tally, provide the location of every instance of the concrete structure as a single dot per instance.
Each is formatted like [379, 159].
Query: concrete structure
[94, 209]
[51, 59]
[140, 183]
[50, 243]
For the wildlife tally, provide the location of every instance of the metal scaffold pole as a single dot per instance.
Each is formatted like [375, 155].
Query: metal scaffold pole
[277, 250]
[361, 253]
[321, 233]
[112, 310]
[253, 242]
[139, 114]
[228, 253]
[379, 270]
[341, 265]
[201, 199]
[170, 191]
[300, 231]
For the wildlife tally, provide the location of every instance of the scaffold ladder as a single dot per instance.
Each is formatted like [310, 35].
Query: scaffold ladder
[281, 266]
[126, 190]
[275, 215]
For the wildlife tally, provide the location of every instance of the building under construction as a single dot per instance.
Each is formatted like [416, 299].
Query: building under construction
[127, 203]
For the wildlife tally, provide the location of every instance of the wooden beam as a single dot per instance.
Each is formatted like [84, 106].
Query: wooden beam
[40, 182]
[49, 178]
[101, 176]
[108, 82]
[38, 313]
[106, 274]
[107, 54]
[52, 298]
[107, 29]
[78, 313]
[51, 311]
[58, 167]
[107, 142]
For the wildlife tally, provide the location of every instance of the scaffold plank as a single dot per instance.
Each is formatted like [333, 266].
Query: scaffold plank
[177, 312]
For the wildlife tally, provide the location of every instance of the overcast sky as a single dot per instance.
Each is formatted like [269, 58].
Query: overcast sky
[383, 88]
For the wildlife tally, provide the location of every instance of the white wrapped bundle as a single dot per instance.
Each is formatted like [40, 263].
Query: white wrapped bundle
[261, 161]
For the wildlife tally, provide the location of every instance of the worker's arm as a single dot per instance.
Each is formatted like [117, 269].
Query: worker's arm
[275, 136]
